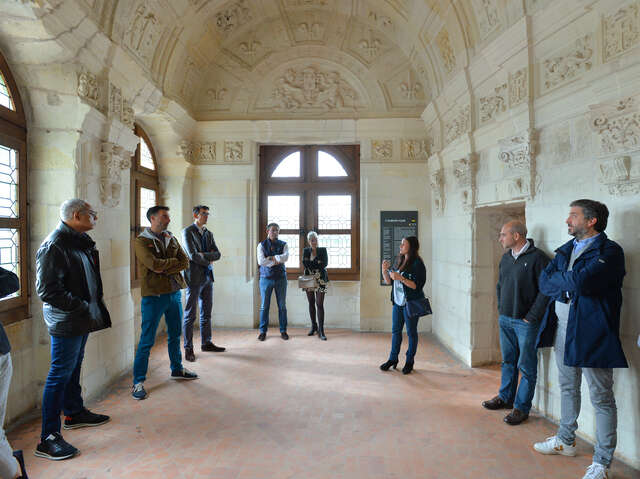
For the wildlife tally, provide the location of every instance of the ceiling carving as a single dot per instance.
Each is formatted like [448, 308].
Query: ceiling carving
[255, 59]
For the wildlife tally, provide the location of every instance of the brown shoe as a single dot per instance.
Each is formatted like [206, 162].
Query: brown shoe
[188, 355]
[515, 417]
[496, 403]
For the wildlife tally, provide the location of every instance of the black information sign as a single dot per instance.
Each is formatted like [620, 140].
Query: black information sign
[395, 225]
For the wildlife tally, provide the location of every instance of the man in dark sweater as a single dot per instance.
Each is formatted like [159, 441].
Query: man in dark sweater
[521, 307]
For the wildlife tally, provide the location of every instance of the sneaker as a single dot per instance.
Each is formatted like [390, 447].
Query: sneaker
[138, 391]
[55, 448]
[553, 445]
[184, 373]
[262, 336]
[597, 471]
[212, 348]
[84, 418]
[284, 335]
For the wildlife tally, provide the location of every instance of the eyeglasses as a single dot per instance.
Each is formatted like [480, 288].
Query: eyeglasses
[204, 213]
[93, 214]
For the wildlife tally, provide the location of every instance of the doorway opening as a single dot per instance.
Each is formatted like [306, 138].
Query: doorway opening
[487, 252]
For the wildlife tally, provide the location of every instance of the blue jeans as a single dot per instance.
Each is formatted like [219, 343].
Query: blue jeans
[62, 390]
[519, 353]
[198, 294]
[266, 287]
[398, 320]
[153, 307]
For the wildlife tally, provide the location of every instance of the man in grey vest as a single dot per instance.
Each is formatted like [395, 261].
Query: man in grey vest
[582, 323]
[202, 251]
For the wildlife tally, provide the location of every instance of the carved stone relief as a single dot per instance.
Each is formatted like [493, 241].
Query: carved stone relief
[410, 88]
[105, 97]
[198, 153]
[618, 126]
[216, 95]
[233, 16]
[621, 31]
[615, 173]
[142, 33]
[458, 125]
[517, 153]
[560, 69]
[518, 87]
[189, 78]
[436, 180]
[370, 46]
[233, 151]
[310, 31]
[113, 159]
[306, 3]
[414, 150]
[187, 150]
[89, 89]
[380, 20]
[493, 104]
[487, 16]
[446, 52]
[312, 88]
[381, 151]
[464, 172]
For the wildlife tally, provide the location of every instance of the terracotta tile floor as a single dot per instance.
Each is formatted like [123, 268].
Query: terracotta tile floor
[308, 409]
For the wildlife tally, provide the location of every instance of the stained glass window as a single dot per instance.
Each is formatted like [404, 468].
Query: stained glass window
[147, 200]
[293, 242]
[289, 167]
[10, 253]
[329, 166]
[338, 249]
[334, 212]
[284, 210]
[5, 94]
[146, 159]
[8, 182]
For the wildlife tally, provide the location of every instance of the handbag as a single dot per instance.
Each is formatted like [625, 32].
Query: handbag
[418, 307]
[307, 281]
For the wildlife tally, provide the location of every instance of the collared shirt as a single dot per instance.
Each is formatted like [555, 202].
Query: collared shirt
[279, 258]
[522, 250]
[579, 245]
[200, 230]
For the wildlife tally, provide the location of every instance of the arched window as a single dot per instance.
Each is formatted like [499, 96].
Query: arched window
[13, 194]
[144, 191]
[306, 188]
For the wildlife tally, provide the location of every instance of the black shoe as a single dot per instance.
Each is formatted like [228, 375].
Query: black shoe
[184, 373]
[210, 347]
[496, 403]
[321, 334]
[313, 330]
[408, 367]
[515, 417]
[84, 418]
[55, 448]
[284, 335]
[189, 355]
[389, 364]
[262, 336]
[20, 458]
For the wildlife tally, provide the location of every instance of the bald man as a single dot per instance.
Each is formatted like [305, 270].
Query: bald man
[520, 307]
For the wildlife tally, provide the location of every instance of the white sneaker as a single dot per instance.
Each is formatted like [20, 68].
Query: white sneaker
[597, 471]
[553, 445]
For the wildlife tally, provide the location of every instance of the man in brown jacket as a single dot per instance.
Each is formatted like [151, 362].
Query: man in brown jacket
[161, 259]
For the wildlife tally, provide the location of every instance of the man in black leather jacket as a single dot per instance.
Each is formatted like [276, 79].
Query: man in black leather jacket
[68, 283]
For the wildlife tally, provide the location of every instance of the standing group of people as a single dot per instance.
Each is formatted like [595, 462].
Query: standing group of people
[571, 303]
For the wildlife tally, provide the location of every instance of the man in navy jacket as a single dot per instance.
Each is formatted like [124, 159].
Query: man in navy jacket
[582, 322]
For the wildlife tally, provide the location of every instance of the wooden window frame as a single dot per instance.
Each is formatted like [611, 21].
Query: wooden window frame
[309, 185]
[141, 177]
[13, 133]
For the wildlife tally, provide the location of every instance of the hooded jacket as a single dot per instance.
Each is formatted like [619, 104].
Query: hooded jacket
[69, 284]
[165, 256]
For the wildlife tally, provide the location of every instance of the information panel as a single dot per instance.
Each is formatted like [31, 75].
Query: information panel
[395, 225]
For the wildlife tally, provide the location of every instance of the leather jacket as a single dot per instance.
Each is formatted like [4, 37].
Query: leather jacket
[69, 284]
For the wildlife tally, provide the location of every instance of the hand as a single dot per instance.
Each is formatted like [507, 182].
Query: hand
[526, 321]
[386, 265]
[270, 258]
[158, 271]
[395, 276]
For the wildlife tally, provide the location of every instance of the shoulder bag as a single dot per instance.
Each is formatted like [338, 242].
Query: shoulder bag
[418, 307]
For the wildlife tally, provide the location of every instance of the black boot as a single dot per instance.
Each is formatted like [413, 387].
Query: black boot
[313, 330]
[389, 364]
[20, 458]
[321, 330]
[408, 367]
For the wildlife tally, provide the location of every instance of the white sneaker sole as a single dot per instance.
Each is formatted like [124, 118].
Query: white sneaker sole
[84, 424]
[555, 452]
[180, 378]
[53, 458]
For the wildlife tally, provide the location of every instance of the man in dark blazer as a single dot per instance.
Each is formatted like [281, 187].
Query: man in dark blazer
[201, 248]
[582, 323]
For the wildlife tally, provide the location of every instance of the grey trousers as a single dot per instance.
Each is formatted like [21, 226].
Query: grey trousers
[600, 382]
[8, 464]
[201, 294]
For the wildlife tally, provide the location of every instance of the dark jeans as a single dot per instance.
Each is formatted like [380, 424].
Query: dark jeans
[201, 294]
[519, 353]
[153, 307]
[266, 287]
[399, 319]
[62, 390]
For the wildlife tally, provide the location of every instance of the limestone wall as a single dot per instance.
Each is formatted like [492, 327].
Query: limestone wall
[526, 130]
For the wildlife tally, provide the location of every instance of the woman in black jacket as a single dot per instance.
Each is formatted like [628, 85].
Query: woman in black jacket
[408, 276]
[315, 262]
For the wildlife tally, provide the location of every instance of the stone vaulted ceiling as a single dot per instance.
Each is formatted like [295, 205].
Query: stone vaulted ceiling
[255, 59]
